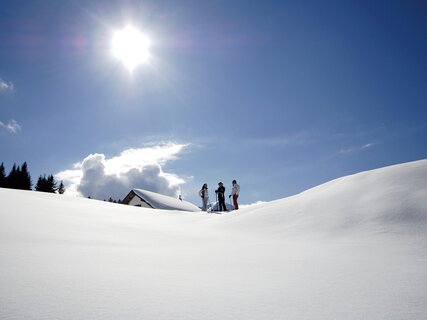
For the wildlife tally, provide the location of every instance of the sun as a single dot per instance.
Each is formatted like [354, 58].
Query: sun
[131, 47]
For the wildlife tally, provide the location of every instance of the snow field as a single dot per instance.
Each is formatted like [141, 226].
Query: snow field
[353, 248]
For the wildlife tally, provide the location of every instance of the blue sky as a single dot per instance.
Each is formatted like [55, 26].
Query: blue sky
[280, 95]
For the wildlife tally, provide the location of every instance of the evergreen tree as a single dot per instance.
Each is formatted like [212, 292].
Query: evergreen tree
[24, 178]
[13, 178]
[2, 176]
[46, 184]
[18, 178]
[61, 188]
[52, 184]
[40, 185]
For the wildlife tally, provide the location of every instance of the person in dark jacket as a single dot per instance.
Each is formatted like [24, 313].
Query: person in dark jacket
[221, 197]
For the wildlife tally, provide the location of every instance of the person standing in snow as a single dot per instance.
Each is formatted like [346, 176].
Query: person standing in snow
[221, 197]
[203, 193]
[235, 193]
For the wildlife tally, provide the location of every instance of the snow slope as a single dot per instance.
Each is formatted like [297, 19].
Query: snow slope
[353, 248]
[391, 199]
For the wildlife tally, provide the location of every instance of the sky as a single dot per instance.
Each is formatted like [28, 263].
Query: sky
[279, 95]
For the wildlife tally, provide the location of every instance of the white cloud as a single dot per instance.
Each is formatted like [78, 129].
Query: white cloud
[357, 148]
[139, 158]
[4, 86]
[12, 126]
[366, 146]
[100, 178]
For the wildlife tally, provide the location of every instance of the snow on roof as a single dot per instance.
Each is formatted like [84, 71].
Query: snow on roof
[160, 201]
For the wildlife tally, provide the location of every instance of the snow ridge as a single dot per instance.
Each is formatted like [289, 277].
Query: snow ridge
[391, 199]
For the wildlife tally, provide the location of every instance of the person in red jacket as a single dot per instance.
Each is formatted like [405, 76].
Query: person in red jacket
[235, 194]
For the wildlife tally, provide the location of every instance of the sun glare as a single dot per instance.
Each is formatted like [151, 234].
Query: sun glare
[130, 46]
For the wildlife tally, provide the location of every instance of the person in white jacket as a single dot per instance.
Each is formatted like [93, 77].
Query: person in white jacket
[203, 193]
[235, 194]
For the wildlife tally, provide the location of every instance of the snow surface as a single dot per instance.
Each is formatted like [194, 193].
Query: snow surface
[353, 248]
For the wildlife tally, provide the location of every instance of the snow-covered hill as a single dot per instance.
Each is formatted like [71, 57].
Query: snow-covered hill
[353, 248]
[391, 199]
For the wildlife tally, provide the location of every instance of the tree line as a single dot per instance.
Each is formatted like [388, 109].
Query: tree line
[19, 178]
